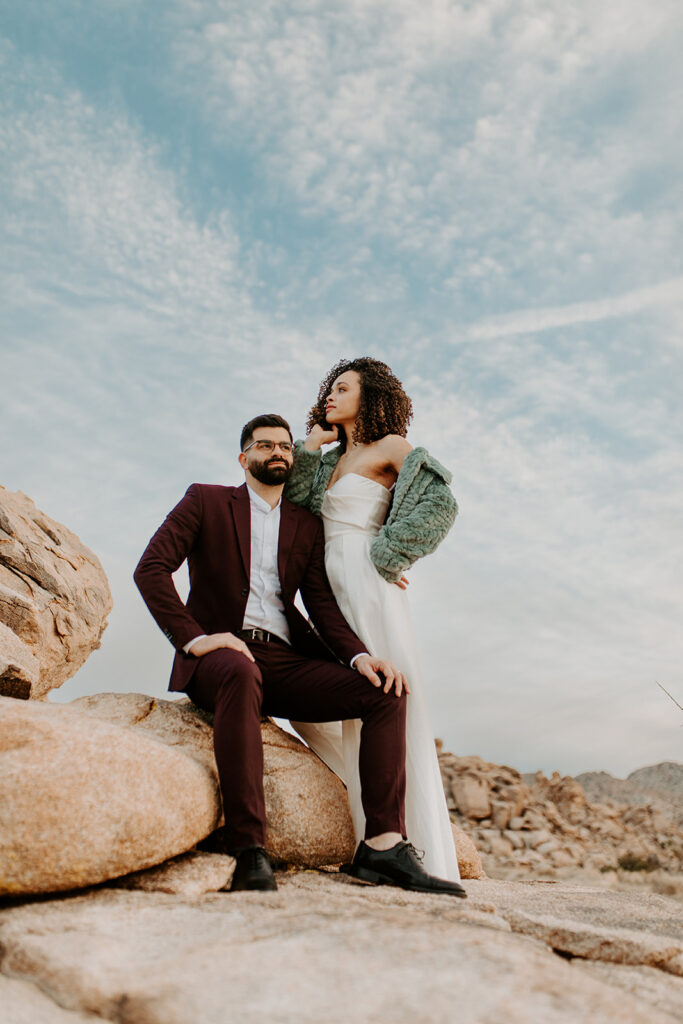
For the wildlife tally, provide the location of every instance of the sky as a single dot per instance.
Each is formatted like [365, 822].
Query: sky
[205, 204]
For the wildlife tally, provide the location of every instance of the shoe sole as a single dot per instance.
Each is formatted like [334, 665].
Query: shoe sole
[257, 887]
[375, 878]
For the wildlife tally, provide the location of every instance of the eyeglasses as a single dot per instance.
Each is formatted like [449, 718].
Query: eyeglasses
[268, 446]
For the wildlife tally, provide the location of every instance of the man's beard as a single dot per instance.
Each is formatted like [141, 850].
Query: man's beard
[270, 475]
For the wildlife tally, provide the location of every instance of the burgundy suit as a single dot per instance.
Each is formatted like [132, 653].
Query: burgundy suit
[211, 528]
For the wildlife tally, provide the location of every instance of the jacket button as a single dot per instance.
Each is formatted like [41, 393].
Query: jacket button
[245, 593]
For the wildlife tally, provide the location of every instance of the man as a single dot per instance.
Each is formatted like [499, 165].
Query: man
[243, 650]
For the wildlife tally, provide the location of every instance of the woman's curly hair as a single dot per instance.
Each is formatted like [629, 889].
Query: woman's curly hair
[384, 406]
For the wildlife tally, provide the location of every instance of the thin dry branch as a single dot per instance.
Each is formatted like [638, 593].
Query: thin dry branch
[669, 695]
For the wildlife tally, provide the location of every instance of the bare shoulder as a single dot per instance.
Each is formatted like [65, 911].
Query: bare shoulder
[394, 449]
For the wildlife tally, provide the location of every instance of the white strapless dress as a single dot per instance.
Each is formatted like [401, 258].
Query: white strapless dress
[353, 512]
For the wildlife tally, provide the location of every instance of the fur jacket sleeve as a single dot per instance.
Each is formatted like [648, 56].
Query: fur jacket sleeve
[422, 510]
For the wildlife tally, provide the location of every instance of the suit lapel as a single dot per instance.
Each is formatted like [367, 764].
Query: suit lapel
[288, 525]
[241, 510]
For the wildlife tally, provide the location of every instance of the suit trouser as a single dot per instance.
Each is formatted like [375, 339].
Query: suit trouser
[284, 684]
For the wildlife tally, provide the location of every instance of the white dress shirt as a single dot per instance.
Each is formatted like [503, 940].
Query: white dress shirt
[265, 608]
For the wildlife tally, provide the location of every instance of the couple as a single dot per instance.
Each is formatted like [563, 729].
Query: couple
[243, 650]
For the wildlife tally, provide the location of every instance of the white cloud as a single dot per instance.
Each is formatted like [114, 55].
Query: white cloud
[558, 590]
[666, 294]
[460, 133]
[141, 337]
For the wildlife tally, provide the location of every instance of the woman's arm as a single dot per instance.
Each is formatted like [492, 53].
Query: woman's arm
[307, 455]
[416, 533]
[298, 487]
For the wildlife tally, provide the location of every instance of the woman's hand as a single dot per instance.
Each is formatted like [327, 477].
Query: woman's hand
[403, 583]
[319, 436]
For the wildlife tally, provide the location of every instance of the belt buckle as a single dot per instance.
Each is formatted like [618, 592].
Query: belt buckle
[256, 634]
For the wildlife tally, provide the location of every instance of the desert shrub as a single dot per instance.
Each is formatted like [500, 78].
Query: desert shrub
[631, 862]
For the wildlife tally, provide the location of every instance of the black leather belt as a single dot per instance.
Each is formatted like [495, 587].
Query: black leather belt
[261, 635]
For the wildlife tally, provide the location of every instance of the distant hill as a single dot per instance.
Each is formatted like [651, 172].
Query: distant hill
[660, 785]
[667, 777]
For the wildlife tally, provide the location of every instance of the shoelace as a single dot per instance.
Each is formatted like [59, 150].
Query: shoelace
[418, 854]
[256, 859]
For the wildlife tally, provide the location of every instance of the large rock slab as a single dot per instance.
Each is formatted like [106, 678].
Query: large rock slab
[594, 924]
[192, 874]
[655, 987]
[22, 1002]
[307, 810]
[85, 801]
[54, 599]
[321, 948]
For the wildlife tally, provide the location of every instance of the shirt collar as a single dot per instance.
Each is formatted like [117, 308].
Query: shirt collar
[260, 503]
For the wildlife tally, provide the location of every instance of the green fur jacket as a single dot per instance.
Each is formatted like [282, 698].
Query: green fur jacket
[421, 513]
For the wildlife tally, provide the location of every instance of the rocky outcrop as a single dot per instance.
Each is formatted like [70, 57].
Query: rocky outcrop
[551, 826]
[116, 783]
[120, 782]
[324, 947]
[306, 805]
[308, 818]
[85, 801]
[54, 600]
[658, 786]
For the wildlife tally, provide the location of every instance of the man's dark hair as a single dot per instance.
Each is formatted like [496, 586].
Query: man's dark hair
[270, 419]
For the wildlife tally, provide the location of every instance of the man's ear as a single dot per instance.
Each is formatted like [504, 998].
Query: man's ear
[242, 459]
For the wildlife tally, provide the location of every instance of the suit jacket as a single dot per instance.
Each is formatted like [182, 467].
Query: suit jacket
[211, 528]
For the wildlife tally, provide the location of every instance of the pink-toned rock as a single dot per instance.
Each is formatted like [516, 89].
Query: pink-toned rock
[307, 810]
[85, 801]
[192, 874]
[23, 1002]
[325, 948]
[19, 668]
[471, 794]
[469, 860]
[308, 818]
[501, 813]
[566, 793]
[54, 598]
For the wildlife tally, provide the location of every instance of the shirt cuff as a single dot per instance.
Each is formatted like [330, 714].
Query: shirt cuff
[190, 644]
[354, 659]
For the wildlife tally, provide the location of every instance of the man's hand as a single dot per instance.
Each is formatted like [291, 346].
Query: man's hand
[369, 667]
[217, 640]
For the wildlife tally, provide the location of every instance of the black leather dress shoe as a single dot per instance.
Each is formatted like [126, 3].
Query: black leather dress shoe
[253, 871]
[398, 866]
[216, 842]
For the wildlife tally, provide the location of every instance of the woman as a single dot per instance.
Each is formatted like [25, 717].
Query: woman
[384, 504]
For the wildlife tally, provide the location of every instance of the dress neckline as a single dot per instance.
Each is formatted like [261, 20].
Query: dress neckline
[362, 477]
